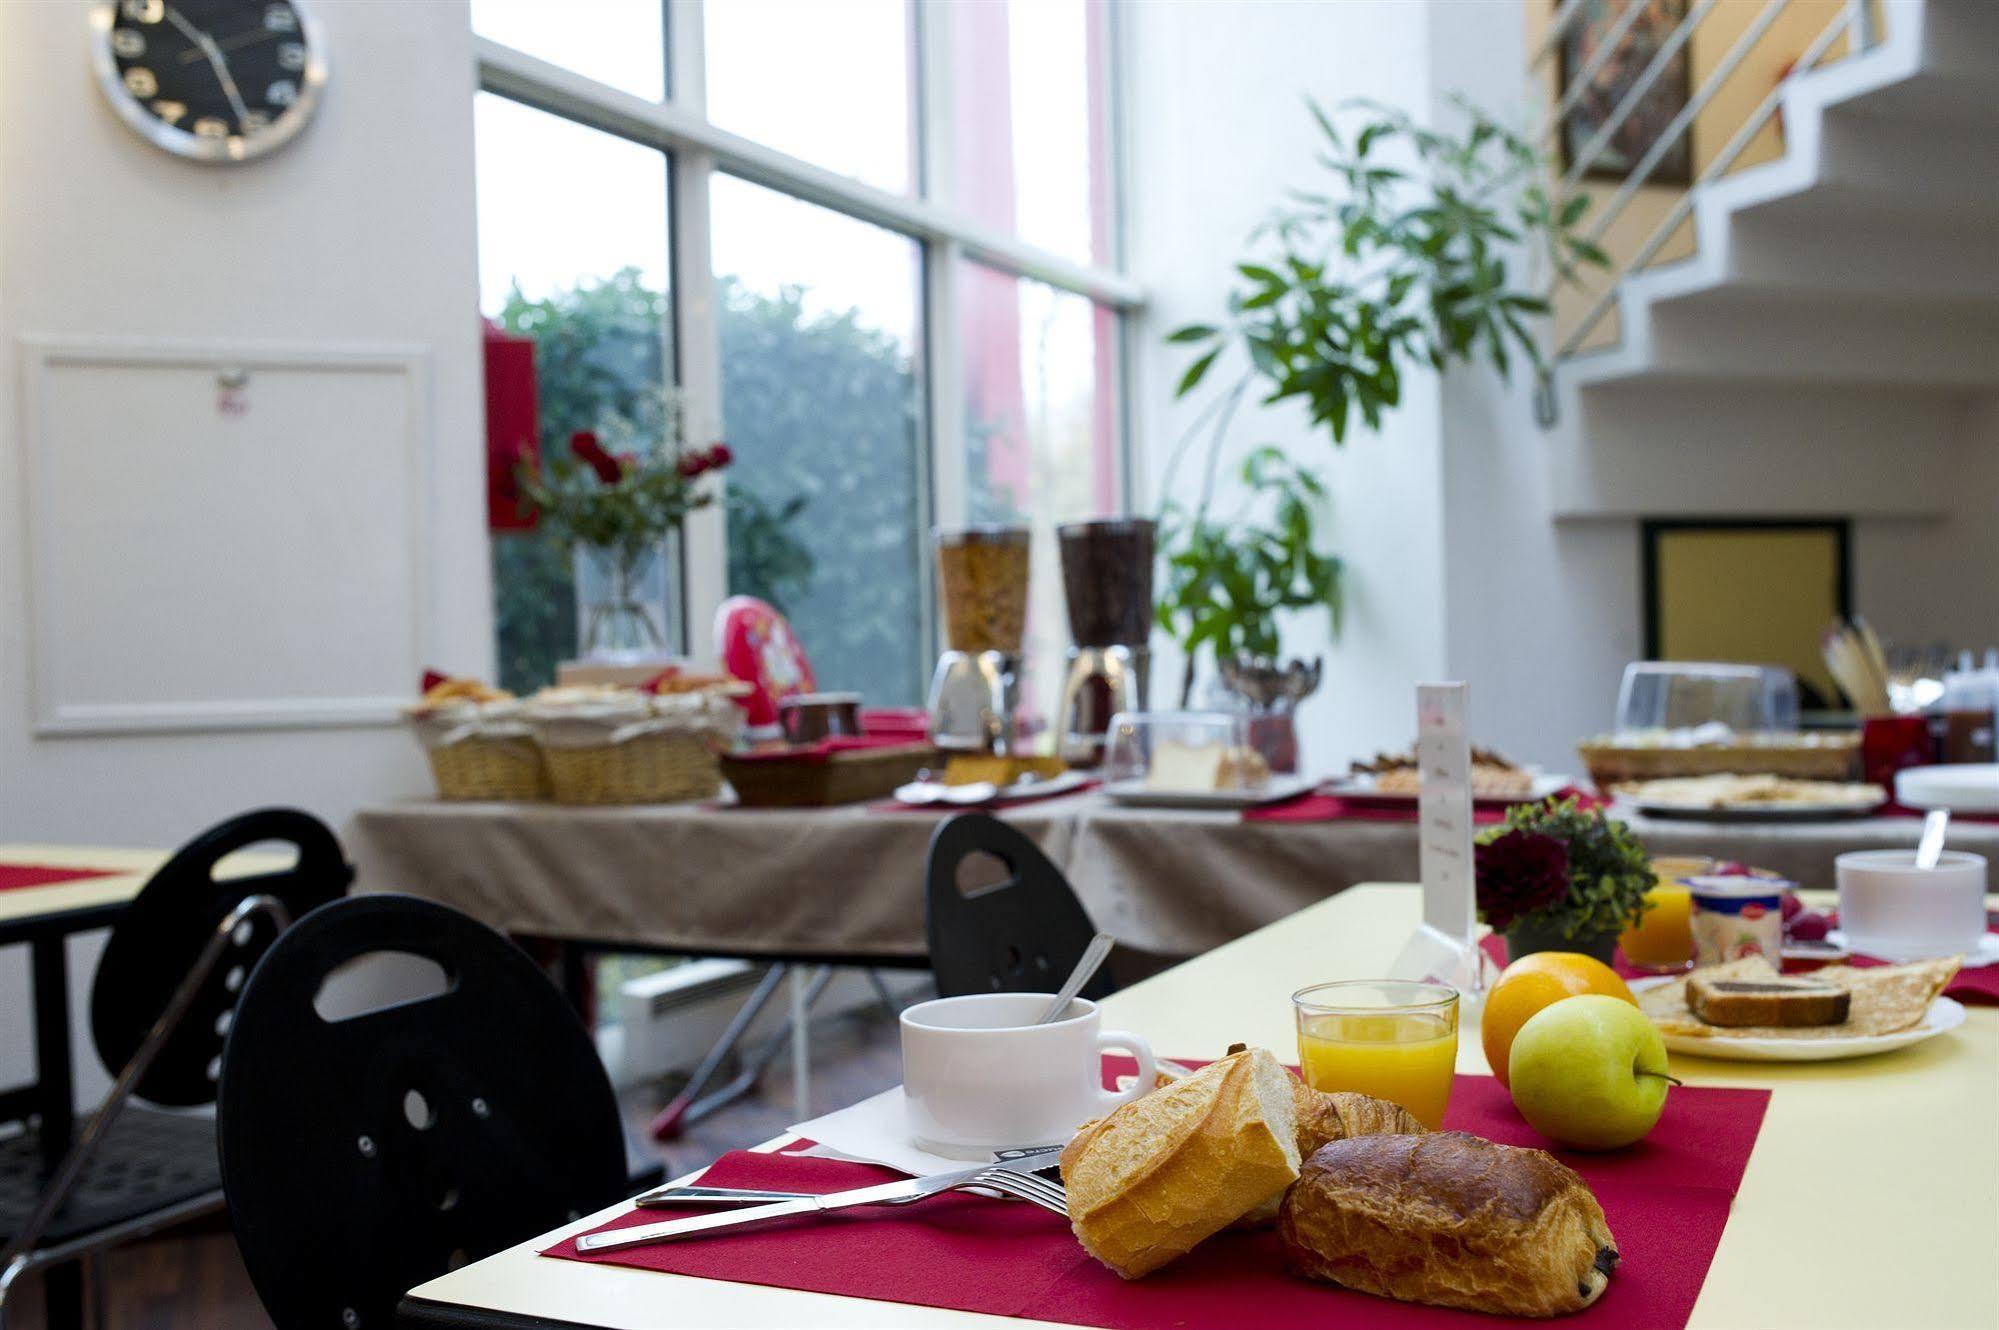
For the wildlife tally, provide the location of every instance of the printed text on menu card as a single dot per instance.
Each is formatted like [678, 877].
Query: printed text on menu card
[1443, 755]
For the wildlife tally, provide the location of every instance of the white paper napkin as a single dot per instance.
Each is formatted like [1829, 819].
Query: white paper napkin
[874, 1131]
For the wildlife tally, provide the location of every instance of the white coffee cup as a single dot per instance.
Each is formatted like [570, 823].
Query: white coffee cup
[1890, 908]
[979, 1075]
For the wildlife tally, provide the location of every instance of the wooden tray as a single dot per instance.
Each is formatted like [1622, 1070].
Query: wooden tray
[843, 778]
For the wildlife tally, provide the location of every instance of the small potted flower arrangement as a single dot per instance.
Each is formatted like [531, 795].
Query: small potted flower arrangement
[1558, 876]
[616, 511]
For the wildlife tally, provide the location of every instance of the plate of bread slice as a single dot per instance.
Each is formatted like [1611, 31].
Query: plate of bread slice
[1360, 1194]
[1745, 1011]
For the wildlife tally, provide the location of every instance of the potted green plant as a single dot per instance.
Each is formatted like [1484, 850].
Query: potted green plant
[616, 511]
[1412, 256]
[1558, 876]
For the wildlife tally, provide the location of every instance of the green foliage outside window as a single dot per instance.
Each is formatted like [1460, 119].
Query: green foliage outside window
[820, 411]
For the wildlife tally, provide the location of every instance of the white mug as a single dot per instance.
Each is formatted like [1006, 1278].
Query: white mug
[1890, 908]
[979, 1075]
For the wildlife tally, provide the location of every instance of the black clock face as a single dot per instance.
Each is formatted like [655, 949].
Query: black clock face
[223, 80]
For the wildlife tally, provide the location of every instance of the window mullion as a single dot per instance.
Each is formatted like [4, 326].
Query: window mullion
[704, 564]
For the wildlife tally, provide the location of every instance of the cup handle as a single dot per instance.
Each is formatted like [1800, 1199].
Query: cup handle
[1148, 1068]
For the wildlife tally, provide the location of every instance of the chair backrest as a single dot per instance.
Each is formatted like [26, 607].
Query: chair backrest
[158, 938]
[363, 1156]
[757, 646]
[1020, 935]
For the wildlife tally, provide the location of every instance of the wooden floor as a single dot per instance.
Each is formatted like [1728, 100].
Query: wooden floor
[194, 1280]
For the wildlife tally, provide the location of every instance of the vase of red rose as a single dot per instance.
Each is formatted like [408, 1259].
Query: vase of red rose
[616, 511]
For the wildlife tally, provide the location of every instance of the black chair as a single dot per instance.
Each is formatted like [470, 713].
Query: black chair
[161, 1002]
[1022, 934]
[362, 1156]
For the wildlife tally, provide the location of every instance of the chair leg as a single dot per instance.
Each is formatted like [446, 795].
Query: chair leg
[756, 1061]
[671, 1118]
[97, 1291]
[887, 999]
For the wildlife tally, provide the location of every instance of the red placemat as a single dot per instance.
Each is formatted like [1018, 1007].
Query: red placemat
[1666, 1198]
[1319, 807]
[1980, 987]
[43, 875]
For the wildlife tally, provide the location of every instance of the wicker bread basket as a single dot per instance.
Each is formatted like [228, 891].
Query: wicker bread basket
[1832, 757]
[630, 748]
[480, 750]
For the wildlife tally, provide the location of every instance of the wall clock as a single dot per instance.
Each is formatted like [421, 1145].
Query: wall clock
[214, 80]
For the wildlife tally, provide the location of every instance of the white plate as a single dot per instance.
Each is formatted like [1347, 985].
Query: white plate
[1755, 812]
[1136, 794]
[1945, 1014]
[1361, 789]
[935, 794]
[1985, 953]
[1962, 787]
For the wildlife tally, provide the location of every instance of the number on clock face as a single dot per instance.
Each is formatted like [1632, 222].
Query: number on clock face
[210, 78]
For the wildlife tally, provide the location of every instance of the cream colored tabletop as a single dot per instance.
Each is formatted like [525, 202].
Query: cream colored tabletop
[127, 871]
[1871, 1200]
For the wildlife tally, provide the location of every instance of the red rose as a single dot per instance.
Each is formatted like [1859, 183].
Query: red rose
[584, 444]
[691, 465]
[720, 456]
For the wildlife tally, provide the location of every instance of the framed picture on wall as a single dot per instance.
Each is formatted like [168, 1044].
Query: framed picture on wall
[1607, 80]
[1747, 590]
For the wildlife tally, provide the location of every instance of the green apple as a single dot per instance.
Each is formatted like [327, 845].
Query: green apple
[1589, 1072]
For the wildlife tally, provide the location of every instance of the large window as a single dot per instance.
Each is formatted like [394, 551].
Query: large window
[872, 245]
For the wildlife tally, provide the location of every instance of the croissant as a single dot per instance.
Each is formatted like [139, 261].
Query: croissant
[1328, 1116]
[1451, 1220]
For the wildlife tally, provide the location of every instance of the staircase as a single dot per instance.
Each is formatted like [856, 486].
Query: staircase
[1843, 296]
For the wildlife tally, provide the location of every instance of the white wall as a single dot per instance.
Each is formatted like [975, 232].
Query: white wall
[1218, 130]
[359, 232]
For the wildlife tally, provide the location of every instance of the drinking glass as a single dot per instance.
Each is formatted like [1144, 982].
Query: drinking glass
[1662, 941]
[1389, 1038]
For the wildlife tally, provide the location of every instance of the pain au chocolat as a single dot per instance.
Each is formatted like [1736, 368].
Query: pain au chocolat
[1451, 1220]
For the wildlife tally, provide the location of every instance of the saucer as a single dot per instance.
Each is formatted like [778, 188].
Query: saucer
[1985, 953]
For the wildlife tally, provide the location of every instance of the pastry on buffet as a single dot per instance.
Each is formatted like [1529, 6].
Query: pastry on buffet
[1786, 1000]
[1449, 1219]
[1492, 776]
[1205, 768]
[1156, 1176]
[441, 691]
[1724, 792]
[1881, 999]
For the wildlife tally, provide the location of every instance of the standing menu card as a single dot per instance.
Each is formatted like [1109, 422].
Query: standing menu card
[1444, 948]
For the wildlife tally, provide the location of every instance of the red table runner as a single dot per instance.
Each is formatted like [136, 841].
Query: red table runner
[43, 875]
[1979, 987]
[1667, 1201]
[1319, 807]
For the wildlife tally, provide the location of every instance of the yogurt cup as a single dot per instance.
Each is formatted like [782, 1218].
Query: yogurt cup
[1738, 916]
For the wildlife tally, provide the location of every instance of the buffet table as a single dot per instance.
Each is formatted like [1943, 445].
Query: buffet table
[847, 883]
[1871, 1198]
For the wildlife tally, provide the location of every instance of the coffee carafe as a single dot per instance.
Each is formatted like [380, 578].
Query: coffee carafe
[982, 575]
[1107, 578]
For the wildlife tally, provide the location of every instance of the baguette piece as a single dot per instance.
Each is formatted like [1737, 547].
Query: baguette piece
[1452, 1220]
[1158, 1175]
[1777, 1000]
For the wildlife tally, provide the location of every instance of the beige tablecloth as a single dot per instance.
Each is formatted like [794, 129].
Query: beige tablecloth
[848, 882]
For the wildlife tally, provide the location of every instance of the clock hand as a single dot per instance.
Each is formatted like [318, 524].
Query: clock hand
[240, 40]
[215, 61]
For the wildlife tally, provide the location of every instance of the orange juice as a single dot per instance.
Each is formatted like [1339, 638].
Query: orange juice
[1395, 1041]
[1663, 937]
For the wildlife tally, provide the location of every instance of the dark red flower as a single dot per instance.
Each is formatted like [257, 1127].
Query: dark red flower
[692, 464]
[588, 451]
[1519, 872]
[720, 455]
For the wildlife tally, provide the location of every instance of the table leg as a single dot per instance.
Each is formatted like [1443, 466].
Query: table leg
[55, 1092]
[55, 1082]
[801, 1043]
[579, 980]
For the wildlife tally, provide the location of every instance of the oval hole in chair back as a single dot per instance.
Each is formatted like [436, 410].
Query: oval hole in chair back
[364, 1155]
[1021, 935]
[159, 937]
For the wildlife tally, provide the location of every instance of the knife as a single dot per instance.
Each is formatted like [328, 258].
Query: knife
[910, 1189]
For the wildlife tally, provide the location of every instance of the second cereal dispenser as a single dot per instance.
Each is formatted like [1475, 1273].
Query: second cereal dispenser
[982, 576]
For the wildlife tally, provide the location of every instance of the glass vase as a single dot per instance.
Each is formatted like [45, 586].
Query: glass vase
[616, 620]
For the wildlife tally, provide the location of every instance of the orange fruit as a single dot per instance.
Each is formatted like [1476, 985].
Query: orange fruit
[1534, 982]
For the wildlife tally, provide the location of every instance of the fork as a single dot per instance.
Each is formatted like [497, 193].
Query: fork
[1022, 1186]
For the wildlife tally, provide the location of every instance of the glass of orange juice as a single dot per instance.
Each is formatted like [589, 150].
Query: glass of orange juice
[1389, 1038]
[1663, 938]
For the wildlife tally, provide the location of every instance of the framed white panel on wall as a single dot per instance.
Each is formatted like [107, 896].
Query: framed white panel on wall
[223, 535]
